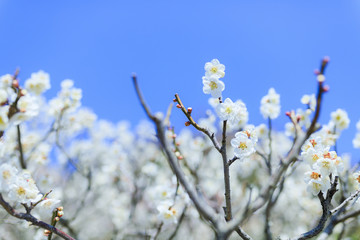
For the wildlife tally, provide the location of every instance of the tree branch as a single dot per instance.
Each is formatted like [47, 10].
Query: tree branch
[30, 218]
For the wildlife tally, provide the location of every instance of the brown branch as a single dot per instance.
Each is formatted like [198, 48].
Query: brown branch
[325, 203]
[228, 209]
[21, 153]
[223, 230]
[30, 218]
[197, 126]
[291, 157]
[204, 210]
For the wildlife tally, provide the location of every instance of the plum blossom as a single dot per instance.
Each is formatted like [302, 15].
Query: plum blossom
[38, 83]
[244, 143]
[270, 105]
[215, 69]
[213, 86]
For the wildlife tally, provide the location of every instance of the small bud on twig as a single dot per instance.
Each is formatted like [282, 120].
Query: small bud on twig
[189, 110]
[15, 83]
[60, 213]
[178, 106]
[187, 123]
[326, 59]
[326, 88]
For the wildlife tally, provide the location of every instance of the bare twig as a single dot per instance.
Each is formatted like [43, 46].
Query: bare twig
[222, 229]
[30, 218]
[197, 126]
[356, 194]
[292, 156]
[206, 211]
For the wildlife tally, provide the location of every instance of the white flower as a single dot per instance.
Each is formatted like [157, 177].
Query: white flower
[316, 182]
[226, 110]
[23, 191]
[356, 177]
[38, 83]
[167, 212]
[311, 156]
[358, 125]
[3, 96]
[304, 117]
[214, 68]
[4, 120]
[270, 105]
[48, 205]
[67, 84]
[325, 165]
[28, 107]
[261, 130]
[309, 100]
[290, 129]
[8, 175]
[215, 101]
[340, 119]
[213, 86]
[356, 141]
[241, 115]
[208, 122]
[6, 81]
[244, 143]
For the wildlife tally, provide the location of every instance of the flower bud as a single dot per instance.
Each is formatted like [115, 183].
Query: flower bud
[326, 59]
[187, 123]
[189, 110]
[60, 213]
[15, 83]
[178, 106]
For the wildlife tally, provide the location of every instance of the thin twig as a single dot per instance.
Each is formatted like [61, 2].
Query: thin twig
[21, 153]
[357, 193]
[30, 218]
[206, 212]
[197, 126]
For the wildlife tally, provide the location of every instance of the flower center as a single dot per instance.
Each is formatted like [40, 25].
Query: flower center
[315, 175]
[213, 85]
[242, 145]
[228, 110]
[21, 191]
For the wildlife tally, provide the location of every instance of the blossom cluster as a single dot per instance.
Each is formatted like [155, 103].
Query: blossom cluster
[114, 181]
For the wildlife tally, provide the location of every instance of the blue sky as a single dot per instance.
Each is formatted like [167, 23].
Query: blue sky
[263, 44]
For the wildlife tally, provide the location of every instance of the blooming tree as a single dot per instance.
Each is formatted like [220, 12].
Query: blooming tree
[65, 173]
